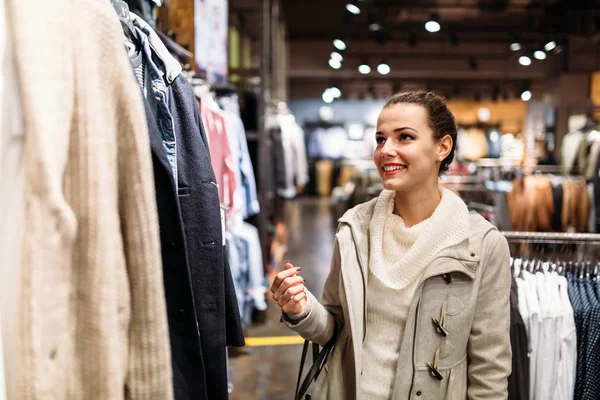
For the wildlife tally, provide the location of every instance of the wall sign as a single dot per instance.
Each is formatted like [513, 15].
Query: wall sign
[211, 29]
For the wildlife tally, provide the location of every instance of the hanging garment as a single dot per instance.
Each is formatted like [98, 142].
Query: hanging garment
[187, 362]
[296, 167]
[567, 367]
[245, 196]
[518, 381]
[146, 9]
[476, 145]
[92, 310]
[569, 150]
[579, 311]
[160, 96]
[557, 197]
[534, 322]
[591, 386]
[217, 310]
[12, 137]
[591, 225]
[220, 150]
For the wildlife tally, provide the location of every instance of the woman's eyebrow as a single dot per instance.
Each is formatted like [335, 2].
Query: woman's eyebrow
[404, 128]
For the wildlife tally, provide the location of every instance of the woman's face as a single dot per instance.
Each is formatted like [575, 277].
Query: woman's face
[407, 155]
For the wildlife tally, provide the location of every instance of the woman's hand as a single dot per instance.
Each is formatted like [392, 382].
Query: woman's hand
[289, 291]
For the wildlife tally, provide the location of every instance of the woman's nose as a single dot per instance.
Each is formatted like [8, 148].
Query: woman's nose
[388, 149]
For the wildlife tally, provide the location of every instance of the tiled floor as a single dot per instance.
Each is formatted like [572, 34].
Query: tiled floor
[270, 372]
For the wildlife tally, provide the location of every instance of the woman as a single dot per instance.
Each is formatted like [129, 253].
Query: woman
[419, 287]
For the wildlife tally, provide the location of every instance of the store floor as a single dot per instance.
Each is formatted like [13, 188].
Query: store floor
[268, 368]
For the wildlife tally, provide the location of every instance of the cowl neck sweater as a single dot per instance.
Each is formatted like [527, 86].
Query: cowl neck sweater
[399, 254]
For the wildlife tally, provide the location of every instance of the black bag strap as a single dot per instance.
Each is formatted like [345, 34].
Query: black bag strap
[302, 360]
[319, 360]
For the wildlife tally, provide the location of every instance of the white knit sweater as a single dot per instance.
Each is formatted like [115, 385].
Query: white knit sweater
[398, 258]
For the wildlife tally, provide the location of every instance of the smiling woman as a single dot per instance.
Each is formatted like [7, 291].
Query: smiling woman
[412, 242]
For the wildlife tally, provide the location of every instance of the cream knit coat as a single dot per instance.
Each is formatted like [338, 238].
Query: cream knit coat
[93, 318]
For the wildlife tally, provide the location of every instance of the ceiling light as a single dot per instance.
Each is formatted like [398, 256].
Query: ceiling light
[328, 97]
[339, 44]
[383, 68]
[433, 25]
[374, 27]
[515, 46]
[353, 8]
[526, 95]
[337, 56]
[525, 60]
[335, 92]
[539, 55]
[335, 64]
[364, 68]
[550, 45]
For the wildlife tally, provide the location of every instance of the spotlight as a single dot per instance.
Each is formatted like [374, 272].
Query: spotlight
[539, 55]
[336, 56]
[335, 64]
[353, 8]
[515, 45]
[526, 95]
[433, 25]
[372, 21]
[335, 92]
[328, 97]
[525, 60]
[364, 68]
[339, 44]
[550, 45]
[383, 68]
[374, 27]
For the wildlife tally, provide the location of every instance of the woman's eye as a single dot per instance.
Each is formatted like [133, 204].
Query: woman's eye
[379, 140]
[404, 136]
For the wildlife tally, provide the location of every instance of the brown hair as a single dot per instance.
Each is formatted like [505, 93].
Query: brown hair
[440, 118]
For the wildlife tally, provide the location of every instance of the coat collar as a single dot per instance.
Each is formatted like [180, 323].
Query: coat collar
[467, 252]
[171, 65]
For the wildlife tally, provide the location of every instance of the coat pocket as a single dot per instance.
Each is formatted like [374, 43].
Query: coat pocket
[457, 382]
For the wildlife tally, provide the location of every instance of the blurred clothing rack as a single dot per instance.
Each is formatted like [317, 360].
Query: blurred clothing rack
[549, 237]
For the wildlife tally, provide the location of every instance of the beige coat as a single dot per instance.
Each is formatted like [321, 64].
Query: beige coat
[474, 359]
[93, 322]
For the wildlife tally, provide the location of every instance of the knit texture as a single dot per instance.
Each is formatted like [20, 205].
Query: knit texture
[93, 321]
[398, 255]
[398, 258]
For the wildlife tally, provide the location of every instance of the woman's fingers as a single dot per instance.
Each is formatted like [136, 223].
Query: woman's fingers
[288, 294]
[296, 304]
[286, 284]
[281, 276]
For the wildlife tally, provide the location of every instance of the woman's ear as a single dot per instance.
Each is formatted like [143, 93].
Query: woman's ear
[445, 147]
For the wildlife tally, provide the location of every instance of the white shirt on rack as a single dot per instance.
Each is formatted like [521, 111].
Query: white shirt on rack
[557, 312]
[534, 323]
[547, 338]
[567, 365]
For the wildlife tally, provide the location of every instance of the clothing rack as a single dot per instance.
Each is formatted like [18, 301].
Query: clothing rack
[549, 237]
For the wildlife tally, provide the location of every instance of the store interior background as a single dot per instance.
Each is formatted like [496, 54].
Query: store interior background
[519, 75]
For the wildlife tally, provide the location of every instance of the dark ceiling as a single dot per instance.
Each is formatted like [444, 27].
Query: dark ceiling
[472, 47]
